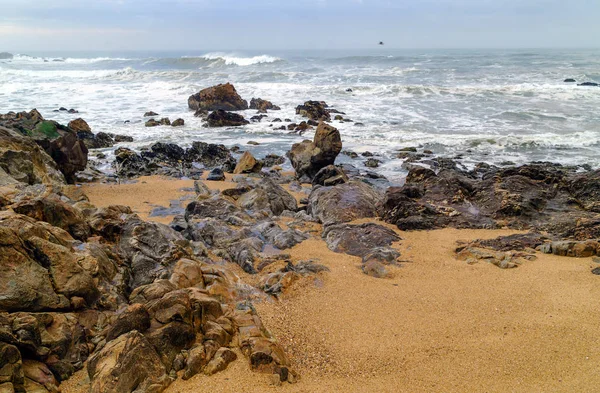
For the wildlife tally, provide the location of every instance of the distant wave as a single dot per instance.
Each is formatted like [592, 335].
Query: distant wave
[230, 59]
[21, 58]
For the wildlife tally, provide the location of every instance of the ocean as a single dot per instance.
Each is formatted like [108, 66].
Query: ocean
[485, 105]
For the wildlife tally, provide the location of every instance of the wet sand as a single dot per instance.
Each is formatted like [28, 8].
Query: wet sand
[437, 325]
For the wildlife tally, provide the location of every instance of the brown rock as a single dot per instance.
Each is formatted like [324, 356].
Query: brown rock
[220, 118]
[247, 164]
[308, 158]
[126, 364]
[134, 317]
[220, 97]
[262, 105]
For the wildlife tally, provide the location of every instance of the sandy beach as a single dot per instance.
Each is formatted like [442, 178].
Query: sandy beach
[437, 325]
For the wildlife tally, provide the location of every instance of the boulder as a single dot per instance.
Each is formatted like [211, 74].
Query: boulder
[178, 123]
[127, 364]
[24, 283]
[330, 175]
[12, 378]
[262, 105]
[358, 240]
[211, 156]
[220, 118]
[570, 80]
[81, 127]
[344, 202]
[308, 158]
[268, 196]
[56, 212]
[150, 114]
[134, 317]
[271, 160]
[221, 97]
[314, 110]
[216, 175]
[6, 56]
[588, 84]
[247, 164]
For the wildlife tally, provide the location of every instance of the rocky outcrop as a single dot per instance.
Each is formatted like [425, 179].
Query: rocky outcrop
[59, 142]
[220, 118]
[24, 161]
[221, 97]
[262, 105]
[308, 158]
[538, 196]
[171, 160]
[6, 56]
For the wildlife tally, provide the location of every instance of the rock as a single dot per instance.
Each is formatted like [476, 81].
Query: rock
[220, 118]
[220, 361]
[61, 143]
[150, 248]
[348, 90]
[593, 84]
[39, 378]
[570, 80]
[216, 175]
[134, 317]
[23, 161]
[120, 138]
[344, 202]
[56, 212]
[211, 156]
[263, 105]
[358, 240]
[12, 378]
[80, 127]
[504, 260]
[220, 97]
[314, 110]
[126, 364]
[6, 56]
[372, 163]
[178, 123]
[375, 269]
[329, 176]
[150, 114]
[596, 271]
[248, 164]
[253, 143]
[309, 157]
[271, 160]
[338, 117]
[25, 285]
[268, 196]
[152, 123]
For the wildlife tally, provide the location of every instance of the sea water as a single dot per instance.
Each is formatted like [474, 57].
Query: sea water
[485, 105]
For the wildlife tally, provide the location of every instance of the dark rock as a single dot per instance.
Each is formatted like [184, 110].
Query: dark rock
[120, 138]
[216, 175]
[135, 317]
[150, 114]
[329, 176]
[358, 240]
[178, 123]
[221, 118]
[570, 80]
[260, 104]
[372, 163]
[344, 202]
[309, 157]
[220, 97]
[6, 56]
[211, 156]
[314, 110]
[273, 159]
[593, 84]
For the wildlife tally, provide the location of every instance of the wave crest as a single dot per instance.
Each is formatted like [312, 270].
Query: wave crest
[230, 59]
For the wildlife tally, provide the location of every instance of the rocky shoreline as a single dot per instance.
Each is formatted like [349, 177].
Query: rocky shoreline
[100, 289]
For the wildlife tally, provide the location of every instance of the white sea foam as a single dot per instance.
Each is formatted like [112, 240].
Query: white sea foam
[232, 59]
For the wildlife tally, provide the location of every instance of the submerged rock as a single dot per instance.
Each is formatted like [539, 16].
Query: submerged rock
[220, 118]
[314, 110]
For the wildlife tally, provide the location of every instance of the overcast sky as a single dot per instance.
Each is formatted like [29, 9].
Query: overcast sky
[36, 25]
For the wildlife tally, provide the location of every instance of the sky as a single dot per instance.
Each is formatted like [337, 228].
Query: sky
[38, 25]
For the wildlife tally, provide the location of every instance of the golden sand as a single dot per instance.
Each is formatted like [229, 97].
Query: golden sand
[437, 325]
